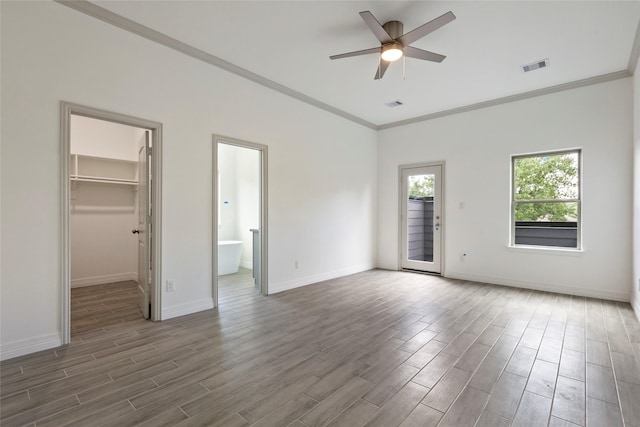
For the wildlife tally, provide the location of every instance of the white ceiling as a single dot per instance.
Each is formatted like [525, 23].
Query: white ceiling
[290, 42]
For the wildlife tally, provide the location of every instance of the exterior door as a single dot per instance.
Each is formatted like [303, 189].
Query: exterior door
[421, 218]
[144, 229]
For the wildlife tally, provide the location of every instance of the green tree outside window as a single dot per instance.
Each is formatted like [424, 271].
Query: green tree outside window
[549, 186]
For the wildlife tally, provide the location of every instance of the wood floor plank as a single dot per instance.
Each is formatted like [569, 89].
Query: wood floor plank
[334, 380]
[625, 368]
[550, 350]
[573, 365]
[337, 402]
[423, 356]
[379, 394]
[542, 379]
[435, 370]
[442, 395]
[629, 398]
[422, 416]
[485, 377]
[601, 413]
[167, 419]
[533, 411]
[41, 411]
[598, 353]
[355, 415]
[394, 412]
[559, 422]
[487, 419]
[569, 400]
[601, 383]
[521, 361]
[466, 409]
[288, 412]
[506, 395]
[267, 404]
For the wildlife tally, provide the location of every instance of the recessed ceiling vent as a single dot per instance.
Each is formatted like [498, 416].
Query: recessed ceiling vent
[535, 65]
[393, 104]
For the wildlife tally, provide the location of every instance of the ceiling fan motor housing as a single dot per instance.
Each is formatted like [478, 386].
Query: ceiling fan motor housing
[394, 29]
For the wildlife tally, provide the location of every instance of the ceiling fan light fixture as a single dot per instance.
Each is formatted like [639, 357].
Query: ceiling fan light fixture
[392, 52]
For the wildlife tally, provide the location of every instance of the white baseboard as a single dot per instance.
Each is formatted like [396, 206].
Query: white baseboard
[540, 286]
[101, 280]
[246, 263]
[186, 308]
[308, 280]
[29, 345]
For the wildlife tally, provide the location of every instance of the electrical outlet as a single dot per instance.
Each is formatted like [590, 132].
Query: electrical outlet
[171, 285]
[297, 264]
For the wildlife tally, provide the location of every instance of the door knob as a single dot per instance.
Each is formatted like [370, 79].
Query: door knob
[135, 231]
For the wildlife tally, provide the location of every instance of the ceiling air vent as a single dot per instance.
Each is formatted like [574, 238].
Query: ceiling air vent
[393, 104]
[544, 63]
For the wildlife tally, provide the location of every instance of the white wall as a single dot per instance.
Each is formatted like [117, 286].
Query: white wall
[228, 202]
[100, 138]
[635, 283]
[477, 146]
[52, 53]
[103, 249]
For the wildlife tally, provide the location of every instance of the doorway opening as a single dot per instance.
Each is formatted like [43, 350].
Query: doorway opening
[239, 221]
[111, 219]
[421, 218]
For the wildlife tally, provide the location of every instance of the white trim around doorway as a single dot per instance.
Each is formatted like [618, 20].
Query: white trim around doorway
[66, 110]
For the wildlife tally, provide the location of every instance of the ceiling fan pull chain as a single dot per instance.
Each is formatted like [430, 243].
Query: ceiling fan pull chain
[404, 67]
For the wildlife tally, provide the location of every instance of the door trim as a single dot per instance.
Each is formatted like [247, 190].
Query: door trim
[443, 231]
[66, 110]
[264, 223]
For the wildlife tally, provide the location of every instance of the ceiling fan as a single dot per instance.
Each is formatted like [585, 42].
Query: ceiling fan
[394, 44]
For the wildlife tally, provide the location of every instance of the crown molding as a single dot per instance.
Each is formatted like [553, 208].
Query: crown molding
[512, 98]
[635, 52]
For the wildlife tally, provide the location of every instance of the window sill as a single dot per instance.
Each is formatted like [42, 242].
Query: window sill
[547, 250]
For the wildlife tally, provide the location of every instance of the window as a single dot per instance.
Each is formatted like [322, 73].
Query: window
[545, 203]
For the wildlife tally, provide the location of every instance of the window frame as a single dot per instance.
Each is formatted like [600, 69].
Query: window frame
[578, 201]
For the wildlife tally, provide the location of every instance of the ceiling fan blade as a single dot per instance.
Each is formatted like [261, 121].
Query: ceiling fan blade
[381, 69]
[427, 28]
[356, 53]
[373, 24]
[414, 52]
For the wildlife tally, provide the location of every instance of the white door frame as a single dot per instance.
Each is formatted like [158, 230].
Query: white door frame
[443, 227]
[66, 110]
[264, 276]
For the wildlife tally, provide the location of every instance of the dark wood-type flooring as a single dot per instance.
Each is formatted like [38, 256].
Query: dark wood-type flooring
[378, 348]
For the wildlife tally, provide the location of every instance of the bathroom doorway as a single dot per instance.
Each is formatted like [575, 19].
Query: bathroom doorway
[239, 220]
[111, 219]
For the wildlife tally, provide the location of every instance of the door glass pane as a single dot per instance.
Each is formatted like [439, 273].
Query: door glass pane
[420, 217]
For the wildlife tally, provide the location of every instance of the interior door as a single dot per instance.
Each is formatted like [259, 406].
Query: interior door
[144, 228]
[421, 218]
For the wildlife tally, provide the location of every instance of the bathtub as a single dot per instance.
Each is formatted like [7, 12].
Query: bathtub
[229, 252]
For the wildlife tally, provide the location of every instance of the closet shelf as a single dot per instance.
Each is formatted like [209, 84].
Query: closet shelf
[105, 180]
[103, 170]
